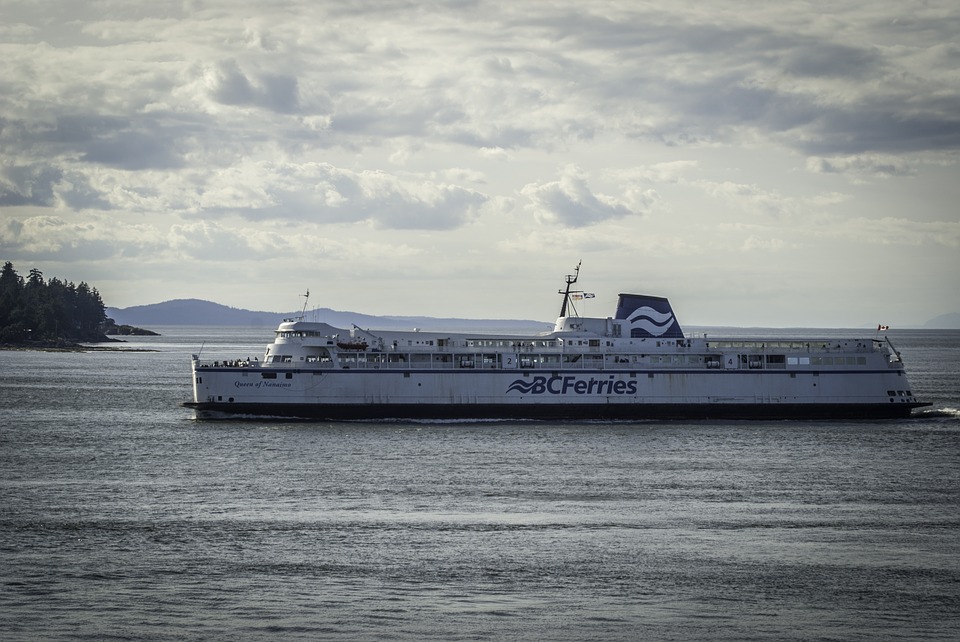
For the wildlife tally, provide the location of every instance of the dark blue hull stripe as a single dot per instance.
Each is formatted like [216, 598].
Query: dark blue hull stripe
[554, 412]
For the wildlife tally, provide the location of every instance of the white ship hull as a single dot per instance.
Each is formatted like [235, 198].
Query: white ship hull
[593, 395]
[637, 365]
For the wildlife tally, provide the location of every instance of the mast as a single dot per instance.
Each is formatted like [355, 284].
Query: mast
[306, 297]
[571, 279]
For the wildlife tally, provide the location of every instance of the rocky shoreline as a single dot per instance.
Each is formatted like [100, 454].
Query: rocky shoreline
[128, 331]
[65, 346]
[62, 345]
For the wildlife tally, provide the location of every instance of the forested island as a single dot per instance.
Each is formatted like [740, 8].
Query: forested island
[51, 313]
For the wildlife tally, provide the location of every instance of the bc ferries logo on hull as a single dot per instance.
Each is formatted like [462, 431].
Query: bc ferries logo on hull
[572, 385]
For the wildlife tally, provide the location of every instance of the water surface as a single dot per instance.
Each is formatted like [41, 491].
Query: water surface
[121, 517]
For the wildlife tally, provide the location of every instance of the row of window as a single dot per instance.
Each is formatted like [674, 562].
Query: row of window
[523, 360]
[826, 361]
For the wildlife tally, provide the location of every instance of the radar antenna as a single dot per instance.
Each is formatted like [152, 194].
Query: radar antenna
[571, 279]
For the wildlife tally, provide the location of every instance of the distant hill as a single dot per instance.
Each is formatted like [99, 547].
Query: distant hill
[199, 312]
[192, 312]
[944, 322]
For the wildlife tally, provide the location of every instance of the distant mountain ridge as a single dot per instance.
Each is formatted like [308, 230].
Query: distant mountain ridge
[200, 312]
[945, 322]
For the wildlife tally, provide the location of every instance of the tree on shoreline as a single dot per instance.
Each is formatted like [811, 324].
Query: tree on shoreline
[32, 310]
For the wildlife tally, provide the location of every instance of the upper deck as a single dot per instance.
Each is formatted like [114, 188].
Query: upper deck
[300, 344]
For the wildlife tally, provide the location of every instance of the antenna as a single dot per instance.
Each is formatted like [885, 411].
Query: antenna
[571, 279]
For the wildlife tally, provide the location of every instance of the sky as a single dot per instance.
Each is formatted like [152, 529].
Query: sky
[759, 163]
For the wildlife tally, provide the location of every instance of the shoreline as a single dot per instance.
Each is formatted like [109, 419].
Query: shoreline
[13, 347]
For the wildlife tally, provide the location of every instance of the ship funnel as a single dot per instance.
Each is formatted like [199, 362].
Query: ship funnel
[648, 316]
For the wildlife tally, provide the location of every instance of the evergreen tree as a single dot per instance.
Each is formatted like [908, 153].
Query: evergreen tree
[90, 311]
[33, 300]
[11, 304]
[54, 310]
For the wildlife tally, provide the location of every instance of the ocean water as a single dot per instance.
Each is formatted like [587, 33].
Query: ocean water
[121, 517]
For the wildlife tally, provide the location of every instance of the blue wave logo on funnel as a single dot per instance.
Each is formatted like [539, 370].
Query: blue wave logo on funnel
[649, 316]
[651, 321]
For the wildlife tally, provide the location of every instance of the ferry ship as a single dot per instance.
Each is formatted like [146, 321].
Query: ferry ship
[635, 365]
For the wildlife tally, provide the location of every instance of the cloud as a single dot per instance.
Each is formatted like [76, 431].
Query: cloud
[757, 243]
[18, 32]
[497, 153]
[828, 59]
[820, 86]
[43, 185]
[320, 192]
[206, 241]
[133, 150]
[570, 202]
[229, 85]
[144, 141]
[893, 231]
[751, 198]
[28, 185]
[94, 239]
[669, 172]
[864, 165]
[892, 126]
[217, 131]
[677, 75]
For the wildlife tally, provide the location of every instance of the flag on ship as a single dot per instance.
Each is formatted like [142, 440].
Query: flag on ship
[881, 328]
